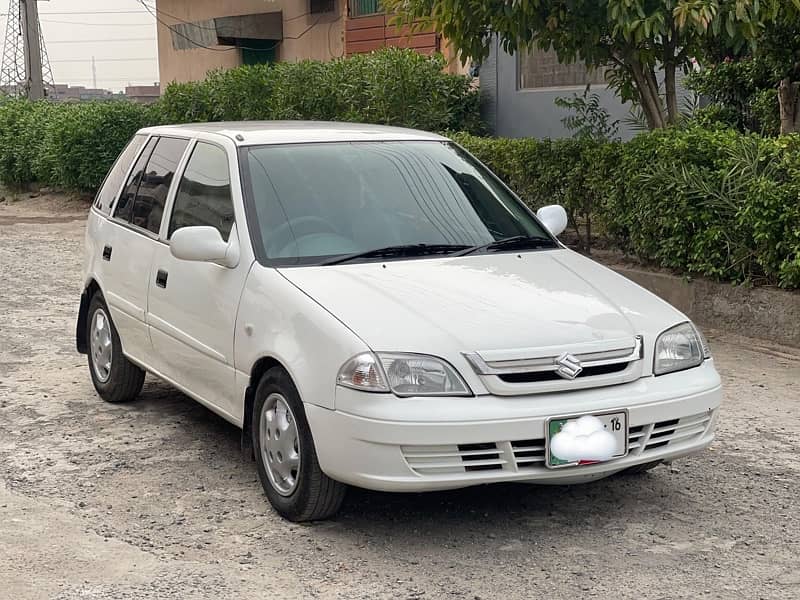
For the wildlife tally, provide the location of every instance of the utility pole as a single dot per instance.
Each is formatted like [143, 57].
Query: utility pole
[25, 69]
[94, 74]
[33, 50]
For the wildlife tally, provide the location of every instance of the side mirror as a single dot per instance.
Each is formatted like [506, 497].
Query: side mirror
[205, 244]
[554, 217]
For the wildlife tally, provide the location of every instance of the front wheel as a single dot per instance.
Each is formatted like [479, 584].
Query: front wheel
[285, 456]
[115, 378]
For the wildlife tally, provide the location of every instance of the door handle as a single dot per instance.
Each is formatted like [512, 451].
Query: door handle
[106, 252]
[161, 278]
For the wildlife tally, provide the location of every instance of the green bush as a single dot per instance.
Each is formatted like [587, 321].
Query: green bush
[69, 146]
[82, 140]
[706, 202]
[390, 86]
[575, 173]
[72, 146]
[22, 125]
[742, 94]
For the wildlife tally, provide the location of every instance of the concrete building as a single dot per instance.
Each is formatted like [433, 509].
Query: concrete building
[76, 93]
[196, 36]
[518, 94]
[144, 94]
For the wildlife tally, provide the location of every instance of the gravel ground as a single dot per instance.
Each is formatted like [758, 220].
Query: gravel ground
[153, 499]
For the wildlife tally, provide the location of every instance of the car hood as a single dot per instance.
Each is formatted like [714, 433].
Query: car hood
[496, 301]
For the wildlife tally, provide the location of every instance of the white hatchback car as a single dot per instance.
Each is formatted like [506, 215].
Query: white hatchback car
[373, 307]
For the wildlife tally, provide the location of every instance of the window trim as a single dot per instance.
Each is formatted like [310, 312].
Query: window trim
[351, 14]
[169, 207]
[179, 162]
[552, 88]
[125, 176]
[112, 207]
[128, 224]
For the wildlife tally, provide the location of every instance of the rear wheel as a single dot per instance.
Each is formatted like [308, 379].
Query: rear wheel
[285, 456]
[115, 378]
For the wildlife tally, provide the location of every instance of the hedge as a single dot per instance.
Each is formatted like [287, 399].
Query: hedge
[390, 86]
[708, 202]
[714, 203]
[71, 146]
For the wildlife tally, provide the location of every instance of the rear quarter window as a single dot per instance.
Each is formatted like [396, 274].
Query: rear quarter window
[116, 176]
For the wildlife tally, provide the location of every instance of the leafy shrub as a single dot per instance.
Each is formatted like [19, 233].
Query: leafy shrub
[742, 94]
[572, 172]
[588, 119]
[390, 86]
[69, 146]
[707, 202]
[82, 140]
[22, 126]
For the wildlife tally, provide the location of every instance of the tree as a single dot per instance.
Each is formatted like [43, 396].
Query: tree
[760, 77]
[632, 39]
[779, 49]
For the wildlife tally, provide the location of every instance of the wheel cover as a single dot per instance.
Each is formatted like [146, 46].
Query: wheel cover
[280, 444]
[100, 345]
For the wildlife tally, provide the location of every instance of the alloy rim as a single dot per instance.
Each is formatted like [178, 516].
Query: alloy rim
[280, 444]
[100, 345]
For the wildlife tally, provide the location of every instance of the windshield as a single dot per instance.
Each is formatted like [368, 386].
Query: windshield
[311, 202]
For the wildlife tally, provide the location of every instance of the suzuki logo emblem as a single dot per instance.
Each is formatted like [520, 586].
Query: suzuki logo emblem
[569, 367]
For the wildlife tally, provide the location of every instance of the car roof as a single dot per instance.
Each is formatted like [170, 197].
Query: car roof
[251, 133]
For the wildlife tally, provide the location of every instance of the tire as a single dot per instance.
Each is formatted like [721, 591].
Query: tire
[642, 468]
[116, 379]
[289, 470]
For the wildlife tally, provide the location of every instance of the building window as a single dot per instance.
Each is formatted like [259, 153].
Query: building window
[258, 52]
[361, 8]
[321, 6]
[538, 68]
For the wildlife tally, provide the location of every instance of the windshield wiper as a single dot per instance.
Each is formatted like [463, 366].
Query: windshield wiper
[514, 242]
[399, 251]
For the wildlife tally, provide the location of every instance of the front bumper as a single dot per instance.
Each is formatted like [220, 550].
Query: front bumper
[381, 442]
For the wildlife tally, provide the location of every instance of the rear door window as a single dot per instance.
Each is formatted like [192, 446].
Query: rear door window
[124, 207]
[115, 177]
[148, 207]
[204, 194]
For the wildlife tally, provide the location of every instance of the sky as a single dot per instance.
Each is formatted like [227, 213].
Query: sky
[120, 34]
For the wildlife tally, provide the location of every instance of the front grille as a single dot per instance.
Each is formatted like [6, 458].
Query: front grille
[550, 369]
[438, 460]
[537, 376]
[646, 438]
[480, 457]
[529, 455]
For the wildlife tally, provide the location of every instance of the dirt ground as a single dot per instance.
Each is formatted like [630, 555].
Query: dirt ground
[153, 500]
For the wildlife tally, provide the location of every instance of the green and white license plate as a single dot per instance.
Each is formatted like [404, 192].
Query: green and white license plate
[579, 446]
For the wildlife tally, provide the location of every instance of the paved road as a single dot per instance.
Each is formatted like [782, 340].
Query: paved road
[152, 500]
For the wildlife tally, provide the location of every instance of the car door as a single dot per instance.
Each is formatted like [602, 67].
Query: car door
[192, 305]
[129, 240]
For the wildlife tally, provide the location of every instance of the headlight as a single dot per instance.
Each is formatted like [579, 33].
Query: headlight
[363, 372]
[681, 347]
[403, 374]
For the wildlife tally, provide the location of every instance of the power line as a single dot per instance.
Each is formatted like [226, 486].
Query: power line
[90, 12]
[144, 78]
[100, 24]
[95, 12]
[102, 41]
[185, 22]
[72, 60]
[199, 45]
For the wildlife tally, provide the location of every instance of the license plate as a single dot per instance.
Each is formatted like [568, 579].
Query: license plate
[586, 439]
